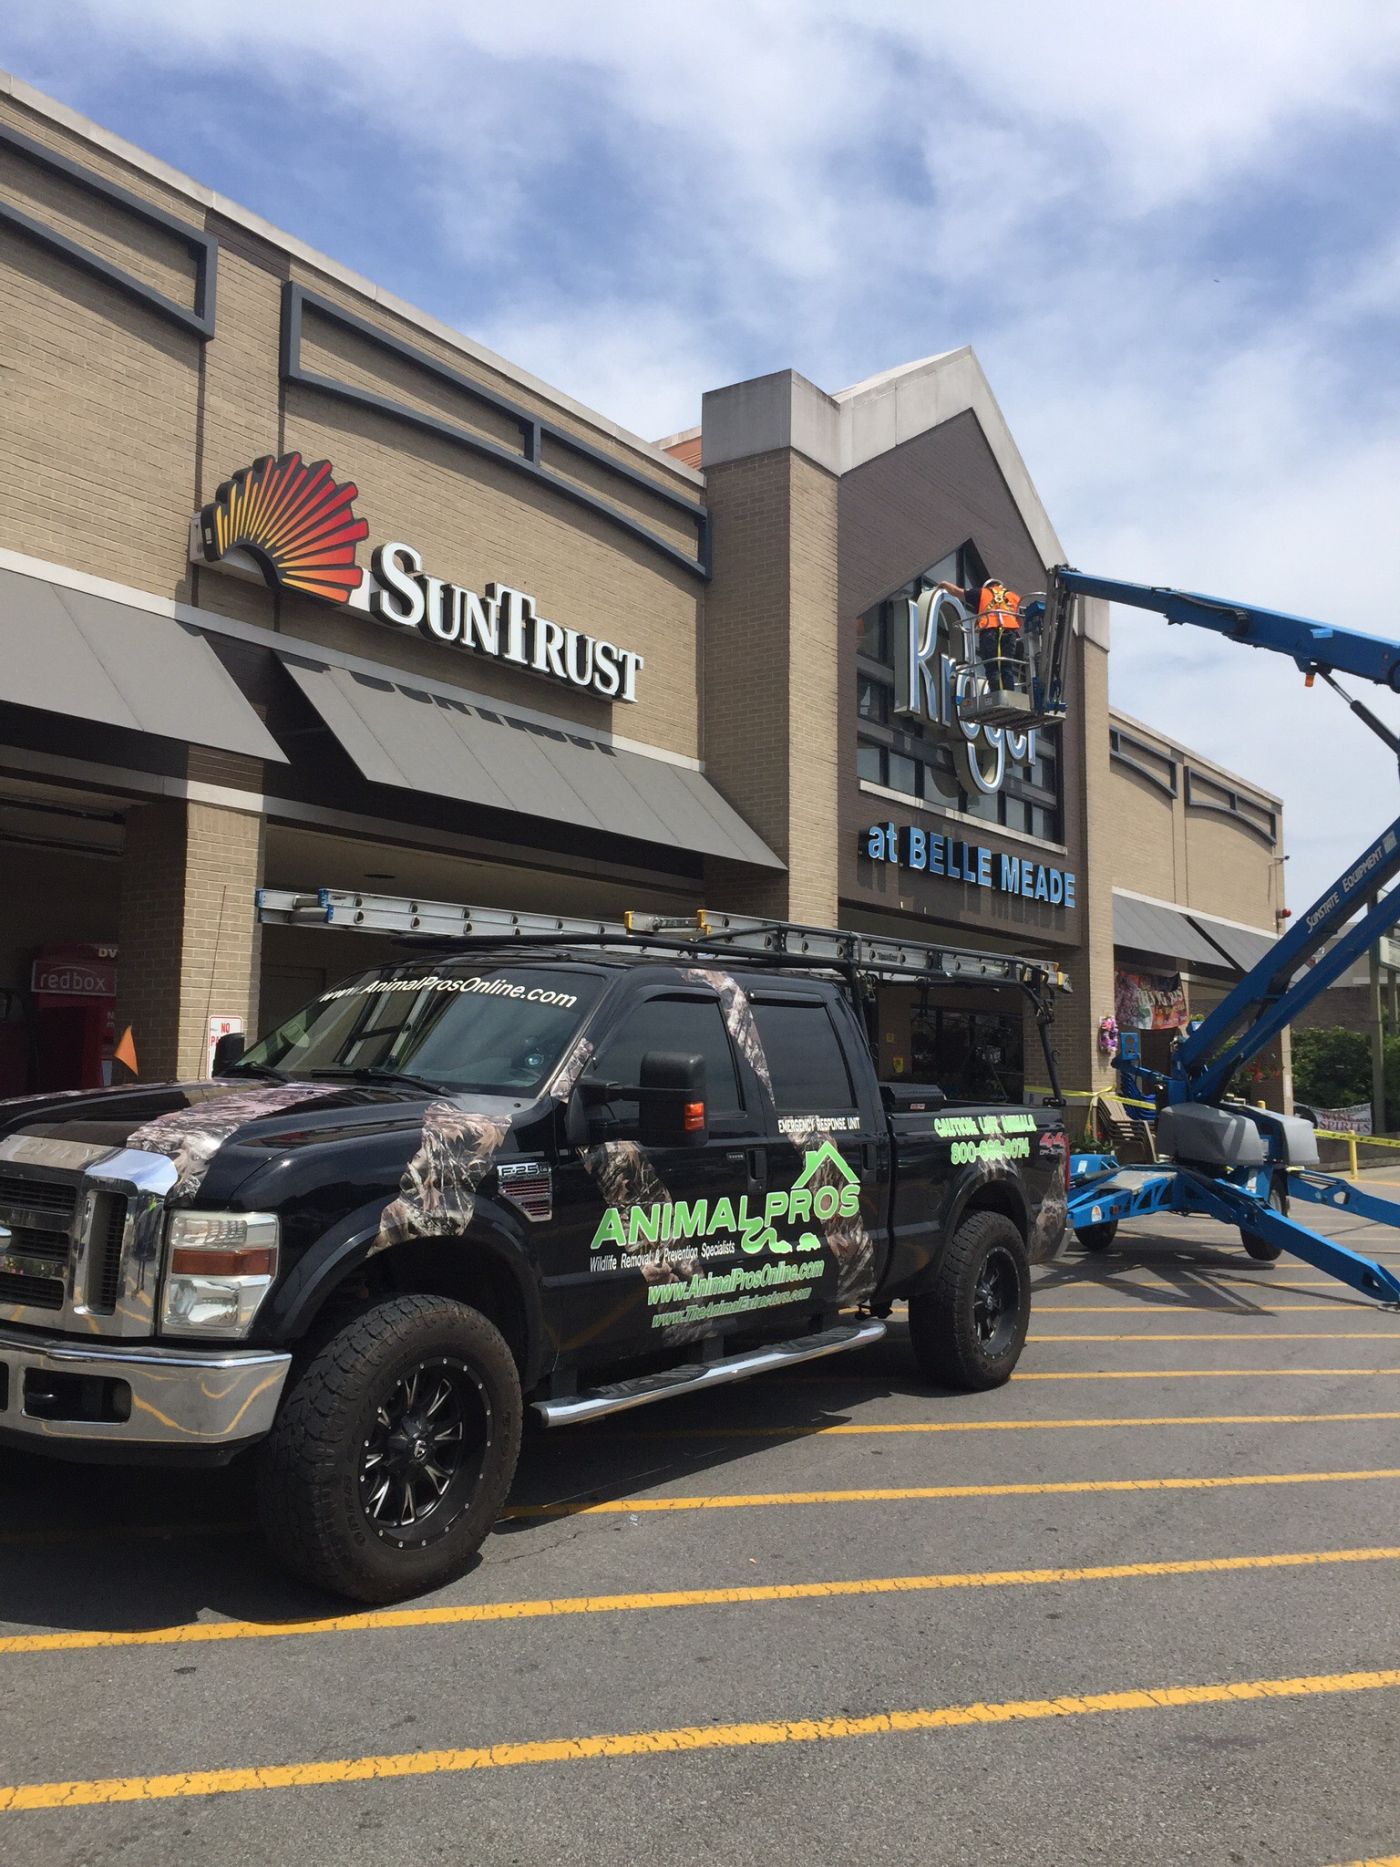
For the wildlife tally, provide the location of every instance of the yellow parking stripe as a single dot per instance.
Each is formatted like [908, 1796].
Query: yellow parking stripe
[987, 1426]
[1227, 1335]
[887, 1494]
[78, 1794]
[203, 1632]
[1184, 1374]
[1170, 1311]
[1376, 1860]
[850, 1377]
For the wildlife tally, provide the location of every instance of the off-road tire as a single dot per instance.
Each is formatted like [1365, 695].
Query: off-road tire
[1096, 1237]
[309, 1470]
[1259, 1248]
[947, 1321]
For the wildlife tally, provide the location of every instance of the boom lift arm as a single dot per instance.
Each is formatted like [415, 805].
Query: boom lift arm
[1297, 969]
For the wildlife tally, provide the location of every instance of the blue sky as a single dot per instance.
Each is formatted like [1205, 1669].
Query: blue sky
[1170, 231]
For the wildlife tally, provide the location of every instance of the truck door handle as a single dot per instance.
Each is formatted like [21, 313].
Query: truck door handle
[751, 1159]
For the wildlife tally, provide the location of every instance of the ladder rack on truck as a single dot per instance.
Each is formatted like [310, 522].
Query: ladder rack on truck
[755, 936]
[758, 940]
[1240, 1165]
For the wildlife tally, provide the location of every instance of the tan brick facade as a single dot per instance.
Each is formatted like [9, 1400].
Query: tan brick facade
[189, 948]
[1178, 827]
[770, 631]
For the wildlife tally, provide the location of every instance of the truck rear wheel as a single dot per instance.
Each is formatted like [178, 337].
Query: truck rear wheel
[967, 1330]
[394, 1451]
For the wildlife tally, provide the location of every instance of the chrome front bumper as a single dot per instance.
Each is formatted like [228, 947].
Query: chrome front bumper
[56, 1391]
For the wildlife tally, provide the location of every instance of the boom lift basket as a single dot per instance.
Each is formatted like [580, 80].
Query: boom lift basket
[1015, 678]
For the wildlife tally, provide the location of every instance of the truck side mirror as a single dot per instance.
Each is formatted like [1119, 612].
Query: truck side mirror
[671, 1102]
[227, 1050]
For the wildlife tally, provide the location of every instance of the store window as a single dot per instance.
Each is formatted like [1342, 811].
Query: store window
[907, 756]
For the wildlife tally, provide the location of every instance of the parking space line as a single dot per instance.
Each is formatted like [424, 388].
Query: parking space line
[321, 1773]
[1227, 1335]
[888, 1494]
[850, 1377]
[1191, 1374]
[198, 1633]
[850, 1427]
[1170, 1311]
[177, 1532]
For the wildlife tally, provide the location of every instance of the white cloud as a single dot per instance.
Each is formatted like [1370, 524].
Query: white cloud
[841, 185]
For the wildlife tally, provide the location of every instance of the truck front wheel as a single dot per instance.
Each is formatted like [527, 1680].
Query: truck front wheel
[394, 1451]
[967, 1330]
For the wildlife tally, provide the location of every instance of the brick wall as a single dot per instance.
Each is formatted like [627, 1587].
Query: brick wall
[771, 678]
[1172, 833]
[190, 946]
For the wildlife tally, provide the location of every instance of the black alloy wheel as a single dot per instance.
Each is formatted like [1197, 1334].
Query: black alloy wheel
[996, 1300]
[422, 1460]
[967, 1325]
[393, 1450]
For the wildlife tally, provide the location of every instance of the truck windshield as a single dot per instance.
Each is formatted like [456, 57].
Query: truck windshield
[499, 1031]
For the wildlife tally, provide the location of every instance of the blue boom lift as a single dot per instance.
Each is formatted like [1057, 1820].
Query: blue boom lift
[1220, 1159]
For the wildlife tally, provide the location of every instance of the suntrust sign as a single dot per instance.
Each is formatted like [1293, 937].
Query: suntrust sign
[909, 846]
[292, 522]
[935, 669]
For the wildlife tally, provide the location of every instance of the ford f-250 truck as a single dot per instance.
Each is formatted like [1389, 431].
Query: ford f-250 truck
[578, 1175]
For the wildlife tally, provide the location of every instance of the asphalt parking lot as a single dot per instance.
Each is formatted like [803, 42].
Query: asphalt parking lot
[1138, 1606]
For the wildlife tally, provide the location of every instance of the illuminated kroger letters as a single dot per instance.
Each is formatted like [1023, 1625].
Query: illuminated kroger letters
[928, 686]
[910, 846]
[501, 623]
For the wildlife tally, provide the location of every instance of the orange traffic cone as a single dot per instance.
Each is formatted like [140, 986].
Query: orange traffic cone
[125, 1052]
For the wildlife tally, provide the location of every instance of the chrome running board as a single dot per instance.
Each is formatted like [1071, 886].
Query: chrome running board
[594, 1402]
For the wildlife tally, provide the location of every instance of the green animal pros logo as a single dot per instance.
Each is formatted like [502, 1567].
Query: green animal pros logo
[827, 1188]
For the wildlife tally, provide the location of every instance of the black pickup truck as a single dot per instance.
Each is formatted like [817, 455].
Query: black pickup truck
[572, 1177]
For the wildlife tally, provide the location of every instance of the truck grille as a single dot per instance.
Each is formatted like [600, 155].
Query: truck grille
[36, 1216]
[51, 1197]
[108, 1231]
[32, 1292]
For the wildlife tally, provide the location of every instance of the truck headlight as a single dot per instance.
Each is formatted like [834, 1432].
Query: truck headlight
[219, 1267]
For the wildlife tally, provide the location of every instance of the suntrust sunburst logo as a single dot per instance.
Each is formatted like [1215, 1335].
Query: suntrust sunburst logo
[295, 520]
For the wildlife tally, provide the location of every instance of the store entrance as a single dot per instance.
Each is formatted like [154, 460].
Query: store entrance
[61, 855]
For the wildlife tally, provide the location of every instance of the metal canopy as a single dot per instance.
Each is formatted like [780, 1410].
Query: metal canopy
[65, 651]
[1145, 927]
[397, 733]
[1244, 948]
[1186, 936]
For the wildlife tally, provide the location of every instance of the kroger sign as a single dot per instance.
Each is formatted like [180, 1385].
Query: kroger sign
[934, 670]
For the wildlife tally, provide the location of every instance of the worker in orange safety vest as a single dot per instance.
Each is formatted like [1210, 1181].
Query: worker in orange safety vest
[998, 616]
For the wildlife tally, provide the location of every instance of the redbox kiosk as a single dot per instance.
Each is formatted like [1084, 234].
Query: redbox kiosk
[74, 989]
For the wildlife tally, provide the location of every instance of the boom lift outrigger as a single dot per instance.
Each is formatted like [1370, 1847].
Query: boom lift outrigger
[1226, 1161]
